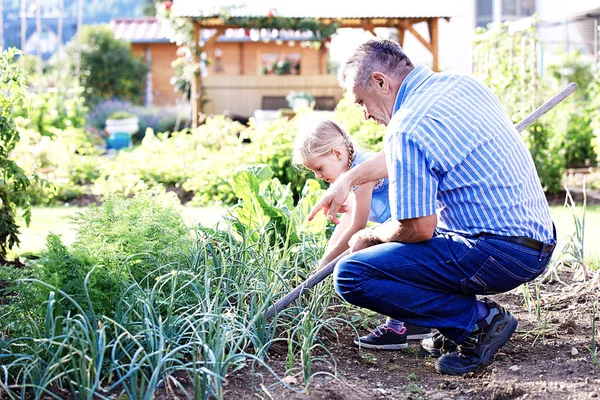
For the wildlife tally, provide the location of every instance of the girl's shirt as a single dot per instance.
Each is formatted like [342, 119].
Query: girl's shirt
[380, 202]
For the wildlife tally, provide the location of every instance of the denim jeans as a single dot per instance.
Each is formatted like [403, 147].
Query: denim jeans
[434, 283]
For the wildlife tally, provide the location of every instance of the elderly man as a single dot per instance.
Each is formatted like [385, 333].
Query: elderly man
[469, 216]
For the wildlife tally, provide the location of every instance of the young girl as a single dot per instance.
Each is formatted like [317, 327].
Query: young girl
[325, 148]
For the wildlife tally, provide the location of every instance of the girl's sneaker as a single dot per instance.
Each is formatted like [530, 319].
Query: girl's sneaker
[383, 338]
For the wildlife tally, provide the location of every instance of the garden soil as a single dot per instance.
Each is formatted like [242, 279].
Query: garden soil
[548, 358]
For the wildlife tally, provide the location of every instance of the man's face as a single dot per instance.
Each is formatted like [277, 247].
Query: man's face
[374, 103]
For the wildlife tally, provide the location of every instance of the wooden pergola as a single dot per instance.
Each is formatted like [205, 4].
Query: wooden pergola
[403, 17]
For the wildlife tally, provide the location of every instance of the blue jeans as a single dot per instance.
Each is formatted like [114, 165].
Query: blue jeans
[434, 283]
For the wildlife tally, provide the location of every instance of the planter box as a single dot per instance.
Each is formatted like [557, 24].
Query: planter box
[120, 131]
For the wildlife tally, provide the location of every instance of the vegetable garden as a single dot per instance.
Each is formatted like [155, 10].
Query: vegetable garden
[142, 305]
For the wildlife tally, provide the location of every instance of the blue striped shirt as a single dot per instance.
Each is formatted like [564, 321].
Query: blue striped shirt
[451, 148]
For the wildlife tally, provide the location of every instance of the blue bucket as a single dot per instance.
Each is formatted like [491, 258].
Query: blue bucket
[118, 140]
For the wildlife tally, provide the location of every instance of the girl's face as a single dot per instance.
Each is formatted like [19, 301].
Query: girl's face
[329, 166]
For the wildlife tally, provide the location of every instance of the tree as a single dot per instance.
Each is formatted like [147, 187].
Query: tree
[109, 69]
[13, 180]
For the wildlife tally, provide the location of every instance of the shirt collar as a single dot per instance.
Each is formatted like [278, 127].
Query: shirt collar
[413, 80]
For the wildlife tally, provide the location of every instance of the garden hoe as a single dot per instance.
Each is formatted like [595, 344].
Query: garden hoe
[328, 269]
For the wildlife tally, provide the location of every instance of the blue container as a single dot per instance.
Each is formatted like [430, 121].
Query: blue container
[119, 140]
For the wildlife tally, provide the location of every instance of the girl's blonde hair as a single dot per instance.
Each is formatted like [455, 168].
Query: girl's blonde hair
[319, 137]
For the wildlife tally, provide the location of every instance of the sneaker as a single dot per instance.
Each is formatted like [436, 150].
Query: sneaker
[479, 348]
[383, 338]
[436, 346]
[414, 332]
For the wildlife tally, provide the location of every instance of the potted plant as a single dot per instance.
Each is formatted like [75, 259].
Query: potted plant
[120, 126]
[298, 100]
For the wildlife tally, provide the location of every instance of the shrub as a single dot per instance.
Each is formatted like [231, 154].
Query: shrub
[65, 161]
[108, 68]
[56, 110]
[159, 119]
[121, 115]
[124, 240]
[13, 180]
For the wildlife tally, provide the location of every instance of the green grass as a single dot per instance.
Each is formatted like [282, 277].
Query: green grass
[58, 220]
[563, 218]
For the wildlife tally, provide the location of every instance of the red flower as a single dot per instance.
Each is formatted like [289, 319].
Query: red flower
[167, 4]
[272, 12]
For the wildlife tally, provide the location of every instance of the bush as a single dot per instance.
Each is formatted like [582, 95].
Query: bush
[159, 119]
[13, 180]
[108, 70]
[124, 240]
[65, 161]
[56, 110]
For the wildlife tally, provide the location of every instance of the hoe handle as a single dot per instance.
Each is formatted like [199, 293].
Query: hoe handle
[307, 284]
[547, 106]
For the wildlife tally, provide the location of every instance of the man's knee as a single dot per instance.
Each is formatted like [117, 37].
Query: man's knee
[348, 277]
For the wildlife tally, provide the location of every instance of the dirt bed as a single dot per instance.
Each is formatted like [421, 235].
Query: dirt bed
[548, 358]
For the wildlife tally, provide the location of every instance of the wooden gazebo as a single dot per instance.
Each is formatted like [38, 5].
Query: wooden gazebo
[401, 14]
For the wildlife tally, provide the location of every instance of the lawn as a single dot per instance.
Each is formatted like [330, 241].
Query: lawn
[57, 220]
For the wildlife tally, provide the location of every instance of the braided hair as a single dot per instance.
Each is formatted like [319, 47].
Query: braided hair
[319, 138]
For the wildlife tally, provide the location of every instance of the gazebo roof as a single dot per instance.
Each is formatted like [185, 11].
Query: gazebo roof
[372, 9]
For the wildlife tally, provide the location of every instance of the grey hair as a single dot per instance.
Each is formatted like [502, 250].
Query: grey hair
[319, 137]
[377, 54]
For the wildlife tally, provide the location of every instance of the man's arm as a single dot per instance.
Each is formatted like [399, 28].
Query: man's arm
[408, 231]
[332, 201]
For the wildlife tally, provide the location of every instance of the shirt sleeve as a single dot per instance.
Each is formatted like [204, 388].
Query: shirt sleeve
[413, 187]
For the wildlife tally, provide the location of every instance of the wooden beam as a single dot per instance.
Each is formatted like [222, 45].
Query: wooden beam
[416, 34]
[433, 37]
[196, 94]
[369, 28]
[212, 40]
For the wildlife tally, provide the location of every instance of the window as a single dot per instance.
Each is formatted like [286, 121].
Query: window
[281, 63]
[510, 10]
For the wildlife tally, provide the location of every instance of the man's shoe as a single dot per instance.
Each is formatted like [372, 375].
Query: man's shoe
[414, 332]
[436, 346]
[383, 338]
[479, 348]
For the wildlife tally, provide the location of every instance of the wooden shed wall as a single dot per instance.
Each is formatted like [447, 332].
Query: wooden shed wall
[241, 84]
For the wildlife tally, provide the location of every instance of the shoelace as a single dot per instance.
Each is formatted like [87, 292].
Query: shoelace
[382, 330]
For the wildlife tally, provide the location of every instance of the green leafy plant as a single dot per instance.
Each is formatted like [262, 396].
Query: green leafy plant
[507, 63]
[121, 115]
[13, 180]
[292, 96]
[108, 67]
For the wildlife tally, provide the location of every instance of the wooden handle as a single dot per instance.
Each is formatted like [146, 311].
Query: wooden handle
[309, 283]
[547, 106]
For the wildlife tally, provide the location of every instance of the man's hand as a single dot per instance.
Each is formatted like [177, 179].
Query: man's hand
[332, 201]
[362, 239]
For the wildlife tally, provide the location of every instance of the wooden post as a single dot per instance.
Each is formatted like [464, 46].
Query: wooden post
[196, 89]
[401, 33]
[432, 23]
[242, 57]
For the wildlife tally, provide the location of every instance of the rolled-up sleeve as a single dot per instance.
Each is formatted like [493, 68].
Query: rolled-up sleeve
[413, 188]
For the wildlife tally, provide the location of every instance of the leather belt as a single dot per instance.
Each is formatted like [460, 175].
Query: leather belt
[524, 241]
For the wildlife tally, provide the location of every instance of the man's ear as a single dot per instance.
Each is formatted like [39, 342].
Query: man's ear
[380, 81]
